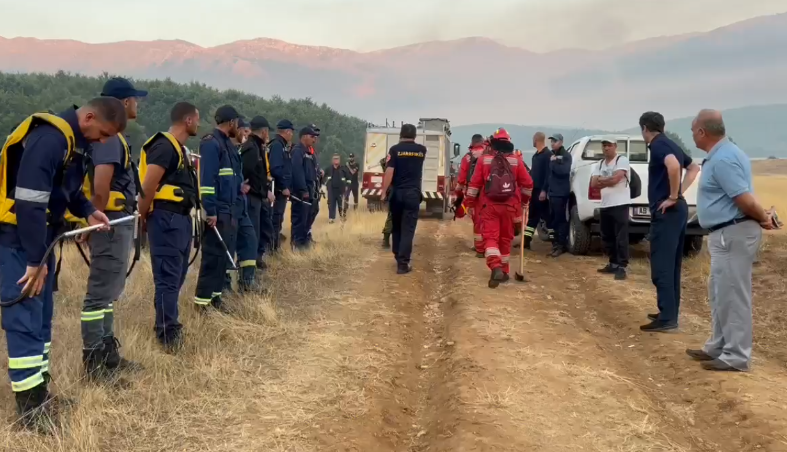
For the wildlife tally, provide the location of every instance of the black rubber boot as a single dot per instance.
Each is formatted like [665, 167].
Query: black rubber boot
[35, 412]
[386, 241]
[528, 240]
[93, 362]
[112, 359]
[496, 278]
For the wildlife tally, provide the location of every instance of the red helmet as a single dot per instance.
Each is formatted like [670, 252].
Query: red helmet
[501, 134]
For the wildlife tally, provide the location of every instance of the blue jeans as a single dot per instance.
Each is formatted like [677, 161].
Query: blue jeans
[668, 232]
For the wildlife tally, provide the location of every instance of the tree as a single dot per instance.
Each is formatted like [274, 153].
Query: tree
[676, 138]
[23, 94]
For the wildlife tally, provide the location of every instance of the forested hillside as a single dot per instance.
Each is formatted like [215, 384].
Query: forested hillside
[23, 94]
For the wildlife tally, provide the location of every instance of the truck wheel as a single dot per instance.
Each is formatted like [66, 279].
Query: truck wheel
[692, 245]
[543, 232]
[578, 234]
[635, 239]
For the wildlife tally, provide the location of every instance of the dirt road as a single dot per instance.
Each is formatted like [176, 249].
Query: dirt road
[556, 364]
[345, 355]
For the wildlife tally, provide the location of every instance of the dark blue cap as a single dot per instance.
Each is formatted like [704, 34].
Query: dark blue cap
[308, 131]
[226, 113]
[285, 124]
[316, 129]
[242, 122]
[259, 122]
[121, 88]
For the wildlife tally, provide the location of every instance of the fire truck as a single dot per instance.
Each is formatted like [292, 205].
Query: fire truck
[435, 134]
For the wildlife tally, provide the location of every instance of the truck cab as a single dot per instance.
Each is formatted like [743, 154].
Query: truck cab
[583, 207]
[434, 134]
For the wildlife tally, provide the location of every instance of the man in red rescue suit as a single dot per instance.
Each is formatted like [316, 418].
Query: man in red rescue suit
[466, 168]
[499, 186]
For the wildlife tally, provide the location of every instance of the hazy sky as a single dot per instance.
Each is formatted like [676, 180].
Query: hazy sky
[539, 25]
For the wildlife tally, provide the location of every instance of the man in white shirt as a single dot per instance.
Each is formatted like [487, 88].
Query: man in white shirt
[612, 175]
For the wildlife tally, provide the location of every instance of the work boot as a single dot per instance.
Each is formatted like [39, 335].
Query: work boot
[403, 269]
[386, 241]
[58, 401]
[609, 269]
[93, 360]
[505, 277]
[261, 265]
[620, 274]
[35, 413]
[112, 359]
[496, 278]
[331, 221]
[527, 243]
[557, 252]
[172, 343]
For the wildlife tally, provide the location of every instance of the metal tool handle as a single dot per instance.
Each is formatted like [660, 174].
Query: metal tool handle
[224, 245]
[76, 232]
[300, 200]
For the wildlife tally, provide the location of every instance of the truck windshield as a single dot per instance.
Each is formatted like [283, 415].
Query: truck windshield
[638, 152]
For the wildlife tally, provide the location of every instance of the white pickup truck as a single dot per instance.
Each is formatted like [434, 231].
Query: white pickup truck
[584, 203]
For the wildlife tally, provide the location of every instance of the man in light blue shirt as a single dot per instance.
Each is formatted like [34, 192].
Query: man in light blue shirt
[726, 206]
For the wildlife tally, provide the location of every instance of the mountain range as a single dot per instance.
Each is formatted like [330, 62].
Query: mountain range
[759, 130]
[469, 80]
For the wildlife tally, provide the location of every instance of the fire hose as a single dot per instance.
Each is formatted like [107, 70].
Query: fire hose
[66, 235]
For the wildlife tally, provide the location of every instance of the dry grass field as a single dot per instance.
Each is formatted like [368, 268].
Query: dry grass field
[344, 355]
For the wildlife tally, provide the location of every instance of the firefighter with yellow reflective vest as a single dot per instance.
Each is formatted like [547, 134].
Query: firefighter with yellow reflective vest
[41, 174]
[221, 177]
[170, 191]
[111, 183]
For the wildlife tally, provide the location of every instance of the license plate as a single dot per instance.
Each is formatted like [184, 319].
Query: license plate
[377, 179]
[642, 211]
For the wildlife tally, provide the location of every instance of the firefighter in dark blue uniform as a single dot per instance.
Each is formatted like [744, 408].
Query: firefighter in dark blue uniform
[220, 185]
[246, 242]
[256, 170]
[171, 191]
[559, 191]
[315, 210]
[404, 173]
[42, 169]
[281, 173]
[539, 204]
[304, 178]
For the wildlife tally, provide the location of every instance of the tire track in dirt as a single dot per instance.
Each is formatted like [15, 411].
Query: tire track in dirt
[398, 324]
[718, 411]
[526, 376]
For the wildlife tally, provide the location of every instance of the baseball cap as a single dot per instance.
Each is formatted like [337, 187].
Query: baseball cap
[121, 88]
[308, 131]
[226, 113]
[242, 122]
[352, 155]
[285, 124]
[612, 140]
[316, 129]
[259, 122]
[556, 137]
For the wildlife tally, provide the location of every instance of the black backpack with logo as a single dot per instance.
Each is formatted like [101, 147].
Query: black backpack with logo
[635, 183]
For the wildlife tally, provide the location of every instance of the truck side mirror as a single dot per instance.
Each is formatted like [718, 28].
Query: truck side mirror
[456, 149]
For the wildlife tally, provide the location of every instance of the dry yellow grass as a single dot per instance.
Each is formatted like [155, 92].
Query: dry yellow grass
[247, 382]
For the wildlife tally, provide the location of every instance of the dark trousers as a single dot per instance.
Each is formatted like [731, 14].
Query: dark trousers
[404, 205]
[266, 228]
[668, 232]
[557, 205]
[334, 202]
[255, 215]
[352, 189]
[539, 210]
[313, 212]
[215, 261]
[300, 214]
[615, 234]
[28, 324]
[277, 218]
[169, 239]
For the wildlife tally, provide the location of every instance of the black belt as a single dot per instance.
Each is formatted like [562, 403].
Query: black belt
[175, 207]
[729, 223]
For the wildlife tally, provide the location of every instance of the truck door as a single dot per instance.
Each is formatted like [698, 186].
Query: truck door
[431, 164]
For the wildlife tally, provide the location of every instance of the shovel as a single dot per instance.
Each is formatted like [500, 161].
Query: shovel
[520, 275]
